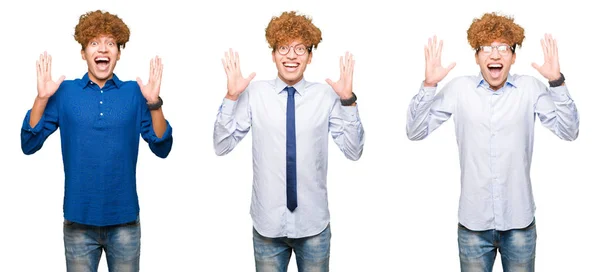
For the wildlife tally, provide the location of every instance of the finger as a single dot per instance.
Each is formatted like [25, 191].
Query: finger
[251, 76]
[549, 45]
[438, 52]
[544, 48]
[230, 62]
[160, 70]
[426, 54]
[49, 67]
[451, 66]
[60, 79]
[329, 82]
[349, 60]
[225, 66]
[535, 65]
[236, 63]
[341, 65]
[352, 69]
[429, 48]
[139, 82]
[38, 69]
[435, 47]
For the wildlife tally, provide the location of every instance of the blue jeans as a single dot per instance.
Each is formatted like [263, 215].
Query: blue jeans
[84, 245]
[273, 254]
[478, 249]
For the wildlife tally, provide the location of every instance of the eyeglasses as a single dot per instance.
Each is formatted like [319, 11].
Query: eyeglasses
[299, 49]
[503, 49]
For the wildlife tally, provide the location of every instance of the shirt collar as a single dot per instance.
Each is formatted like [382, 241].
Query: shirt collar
[85, 81]
[510, 81]
[300, 86]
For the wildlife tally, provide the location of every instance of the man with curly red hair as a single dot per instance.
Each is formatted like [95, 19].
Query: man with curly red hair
[494, 116]
[290, 119]
[101, 119]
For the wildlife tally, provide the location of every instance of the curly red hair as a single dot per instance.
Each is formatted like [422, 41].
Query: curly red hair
[95, 23]
[290, 26]
[494, 27]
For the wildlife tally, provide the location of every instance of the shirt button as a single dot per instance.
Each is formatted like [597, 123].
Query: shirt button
[101, 114]
[100, 102]
[101, 91]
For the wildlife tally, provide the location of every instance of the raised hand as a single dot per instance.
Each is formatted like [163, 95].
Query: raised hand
[434, 71]
[550, 69]
[343, 87]
[45, 86]
[151, 90]
[236, 83]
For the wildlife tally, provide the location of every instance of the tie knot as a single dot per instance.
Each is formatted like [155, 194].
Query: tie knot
[290, 90]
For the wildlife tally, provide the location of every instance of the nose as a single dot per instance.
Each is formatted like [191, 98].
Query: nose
[102, 47]
[495, 53]
[292, 54]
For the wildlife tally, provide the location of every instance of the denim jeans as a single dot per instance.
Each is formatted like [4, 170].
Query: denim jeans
[478, 249]
[273, 254]
[84, 245]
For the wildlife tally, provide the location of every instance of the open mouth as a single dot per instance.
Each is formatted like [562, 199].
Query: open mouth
[495, 69]
[102, 62]
[291, 66]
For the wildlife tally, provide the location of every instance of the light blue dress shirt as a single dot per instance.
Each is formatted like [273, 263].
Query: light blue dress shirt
[494, 133]
[262, 108]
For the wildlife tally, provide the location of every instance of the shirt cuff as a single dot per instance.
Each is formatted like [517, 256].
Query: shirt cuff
[228, 106]
[426, 93]
[34, 130]
[165, 136]
[350, 113]
[560, 93]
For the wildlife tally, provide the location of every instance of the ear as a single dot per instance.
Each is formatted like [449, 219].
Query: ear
[83, 54]
[273, 55]
[476, 57]
[514, 57]
[119, 55]
[309, 58]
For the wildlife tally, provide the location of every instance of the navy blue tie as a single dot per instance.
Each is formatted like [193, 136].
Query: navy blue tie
[290, 150]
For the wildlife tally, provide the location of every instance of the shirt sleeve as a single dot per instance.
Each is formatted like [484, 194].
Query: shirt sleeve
[347, 129]
[161, 147]
[233, 123]
[428, 111]
[557, 112]
[33, 138]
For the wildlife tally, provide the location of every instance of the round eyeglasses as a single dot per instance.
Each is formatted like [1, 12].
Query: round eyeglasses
[503, 49]
[299, 49]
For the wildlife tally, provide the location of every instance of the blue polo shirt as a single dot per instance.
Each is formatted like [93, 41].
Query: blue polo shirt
[100, 132]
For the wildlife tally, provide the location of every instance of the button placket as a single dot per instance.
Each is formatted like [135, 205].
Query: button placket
[101, 104]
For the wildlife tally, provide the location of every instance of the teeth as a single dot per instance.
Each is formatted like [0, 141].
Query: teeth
[290, 64]
[495, 65]
[102, 59]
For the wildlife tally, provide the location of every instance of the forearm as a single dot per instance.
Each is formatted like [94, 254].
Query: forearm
[37, 110]
[417, 123]
[566, 123]
[159, 123]
[230, 126]
[353, 134]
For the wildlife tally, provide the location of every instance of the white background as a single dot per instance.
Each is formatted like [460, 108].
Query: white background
[393, 210]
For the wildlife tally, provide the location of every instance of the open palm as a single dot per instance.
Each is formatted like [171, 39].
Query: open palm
[45, 85]
[236, 83]
[434, 71]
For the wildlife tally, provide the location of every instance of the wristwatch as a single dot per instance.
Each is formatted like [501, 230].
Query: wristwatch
[349, 101]
[558, 82]
[156, 105]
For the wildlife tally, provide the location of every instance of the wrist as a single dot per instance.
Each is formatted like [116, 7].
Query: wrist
[429, 83]
[557, 82]
[348, 101]
[232, 97]
[155, 105]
